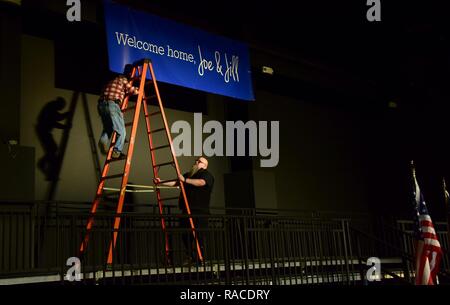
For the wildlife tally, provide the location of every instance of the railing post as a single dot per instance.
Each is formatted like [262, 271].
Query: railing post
[406, 269]
[225, 250]
[32, 232]
[59, 260]
[346, 256]
[271, 251]
[405, 262]
[360, 260]
[245, 252]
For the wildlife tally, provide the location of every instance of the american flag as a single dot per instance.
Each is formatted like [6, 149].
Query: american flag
[428, 248]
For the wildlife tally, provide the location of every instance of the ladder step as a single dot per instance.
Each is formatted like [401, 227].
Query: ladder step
[115, 160]
[150, 97]
[162, 164]
[170, 180]
[169, 198]
[128, 124]
[112, 176]
[154, 113]
[156, 130]
[160, 147]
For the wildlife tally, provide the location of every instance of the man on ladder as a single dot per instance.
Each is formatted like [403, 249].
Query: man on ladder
[109, 108]
[117, 90]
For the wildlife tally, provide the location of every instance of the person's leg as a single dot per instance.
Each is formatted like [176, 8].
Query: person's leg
[186, 236]
[103, 111]
[201, 224]
[52, 159]
[190, 241]
[118, 125]
[46, 140]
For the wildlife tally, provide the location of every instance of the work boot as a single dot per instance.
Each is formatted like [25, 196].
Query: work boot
[118, 155]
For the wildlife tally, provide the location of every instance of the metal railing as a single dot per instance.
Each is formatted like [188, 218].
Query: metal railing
[408, 242]
[394, 241]
[241, 246]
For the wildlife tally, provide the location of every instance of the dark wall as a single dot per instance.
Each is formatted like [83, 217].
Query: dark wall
[338, 152]
[394, 138]
[341, 146]
[10, 37]
[321, 164]
[17, 178]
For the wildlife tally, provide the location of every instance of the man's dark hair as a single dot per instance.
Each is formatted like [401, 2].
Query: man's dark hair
[127, 70]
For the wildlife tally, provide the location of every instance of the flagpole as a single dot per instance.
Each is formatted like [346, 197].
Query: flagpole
[414, 181]
[416, 246]
[447, 209]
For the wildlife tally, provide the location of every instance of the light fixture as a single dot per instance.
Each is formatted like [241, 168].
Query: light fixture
[267, 70]
[392, 104]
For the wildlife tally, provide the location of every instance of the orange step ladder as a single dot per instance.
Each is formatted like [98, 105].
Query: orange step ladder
[140, 73]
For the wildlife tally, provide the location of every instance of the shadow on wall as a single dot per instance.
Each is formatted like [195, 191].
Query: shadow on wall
[49, 118]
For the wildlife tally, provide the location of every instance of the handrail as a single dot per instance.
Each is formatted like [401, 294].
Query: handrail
[403, 254]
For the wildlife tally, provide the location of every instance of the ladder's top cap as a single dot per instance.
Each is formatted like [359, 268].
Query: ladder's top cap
[142, 61]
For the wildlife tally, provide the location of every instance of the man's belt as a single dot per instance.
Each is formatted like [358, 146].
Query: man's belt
[117, 101]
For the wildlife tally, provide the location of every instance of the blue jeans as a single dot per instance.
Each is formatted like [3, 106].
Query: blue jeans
[112, 119]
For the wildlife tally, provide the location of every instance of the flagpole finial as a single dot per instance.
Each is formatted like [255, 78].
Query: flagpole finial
[413, 169]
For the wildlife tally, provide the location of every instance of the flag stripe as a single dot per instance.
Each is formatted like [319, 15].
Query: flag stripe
[428, 231]
[428, 248]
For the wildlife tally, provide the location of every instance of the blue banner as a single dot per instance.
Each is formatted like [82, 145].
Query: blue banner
[181, 55]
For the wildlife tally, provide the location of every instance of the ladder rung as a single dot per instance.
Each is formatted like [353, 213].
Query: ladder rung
[156, 130]
[112, 176]
[169, 198]
[160, 147]
[164, 181]
[128, 124]
[138, 78]
[113, 189]
[154, 113]
[162, 164]
[150, 97]
[129, 108]
[115, 160]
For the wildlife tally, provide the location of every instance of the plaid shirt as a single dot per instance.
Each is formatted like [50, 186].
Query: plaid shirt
[116, 89]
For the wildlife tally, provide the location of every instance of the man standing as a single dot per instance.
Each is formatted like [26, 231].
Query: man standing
[108, 107]
[198, 183]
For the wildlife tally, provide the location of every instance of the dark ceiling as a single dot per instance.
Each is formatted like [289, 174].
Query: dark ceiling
[406, 53]
[405, 57]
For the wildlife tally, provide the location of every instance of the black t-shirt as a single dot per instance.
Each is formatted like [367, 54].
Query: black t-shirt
[198, 196]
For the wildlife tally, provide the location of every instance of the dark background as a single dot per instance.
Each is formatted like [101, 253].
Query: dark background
[393, 75]
[404, 59]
